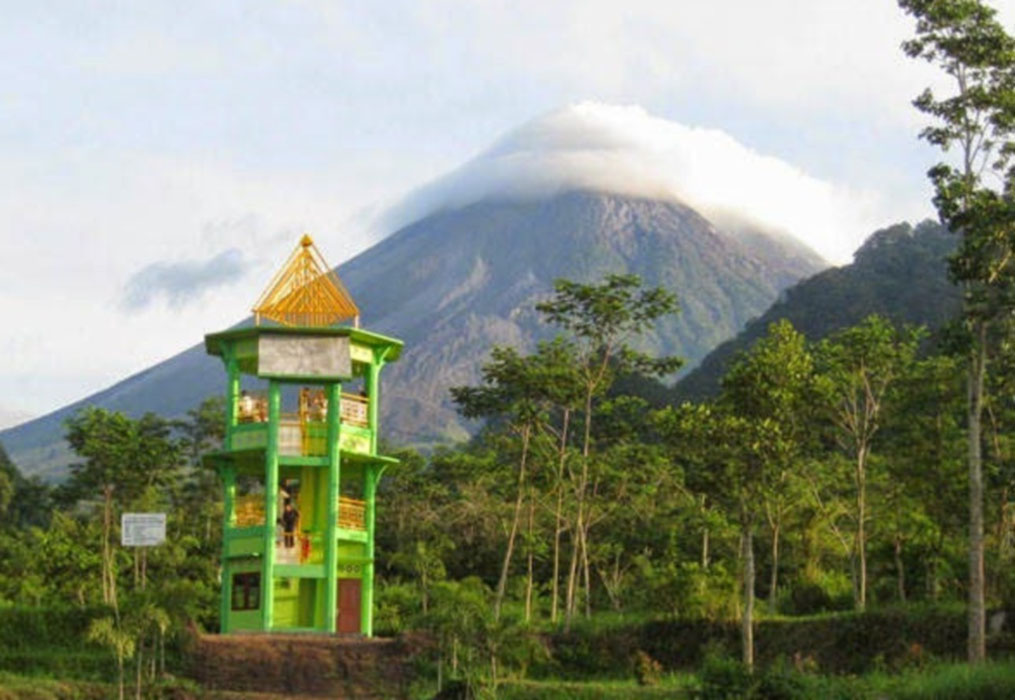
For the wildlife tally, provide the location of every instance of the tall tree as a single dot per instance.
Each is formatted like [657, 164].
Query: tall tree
[602, 320]
[964, 39]
[765, 398]
[861, 364]
[512, 391]
[122, 458]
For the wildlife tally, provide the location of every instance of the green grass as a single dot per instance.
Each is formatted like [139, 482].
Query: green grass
[992, 681]
[81, 664]
[17, 687]
[670, 686]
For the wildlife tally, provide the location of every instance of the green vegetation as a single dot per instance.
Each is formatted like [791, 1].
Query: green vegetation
[587, 535]
[593, 540]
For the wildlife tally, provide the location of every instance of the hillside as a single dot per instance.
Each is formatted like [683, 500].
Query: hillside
[899, 272]
[459, 281]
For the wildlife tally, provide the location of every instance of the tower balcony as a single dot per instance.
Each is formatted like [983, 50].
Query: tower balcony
[307, 546]
[302, 433]
[249, 512]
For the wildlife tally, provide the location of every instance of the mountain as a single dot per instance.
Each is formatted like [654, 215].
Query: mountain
[900, 272]
[460, 280]
[11, 417]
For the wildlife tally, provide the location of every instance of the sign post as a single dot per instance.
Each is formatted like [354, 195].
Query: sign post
[142, 529]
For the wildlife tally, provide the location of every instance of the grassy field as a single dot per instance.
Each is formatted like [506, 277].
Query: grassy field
[19, 687]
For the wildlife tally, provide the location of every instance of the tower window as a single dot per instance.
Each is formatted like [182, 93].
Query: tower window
[246, 591]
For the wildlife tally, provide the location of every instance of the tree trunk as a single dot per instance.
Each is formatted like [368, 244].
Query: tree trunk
[977, 608]
[140, 663]
[107, 526]
[502, 583]
[747, 617]
[585, 573]
[529, 581]
[773, 584]
[704, 548]
[579, 524]
[704, 534]
[569, 594]
[559, 517]
[119, 669]
[899, 570]
[861, 534]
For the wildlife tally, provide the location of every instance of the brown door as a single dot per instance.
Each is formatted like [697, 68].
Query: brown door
[348, 605]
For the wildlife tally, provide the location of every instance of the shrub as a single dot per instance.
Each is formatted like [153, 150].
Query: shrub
[723, 677]
[395, 606]
[828, 593]
[23, 628]
[646, 669]
[781, 681]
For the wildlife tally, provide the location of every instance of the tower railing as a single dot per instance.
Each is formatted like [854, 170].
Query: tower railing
[355, 410]
[249, 510]
[351, 513]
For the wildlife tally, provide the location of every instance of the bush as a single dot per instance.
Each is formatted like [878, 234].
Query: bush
[891, 638]
[646, 669]
[781, 681]
[24, 628]
[394, 607]
[59, 663]
[830, 593]
[723, 677]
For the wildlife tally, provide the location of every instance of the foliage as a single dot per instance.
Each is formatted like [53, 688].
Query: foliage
[646, 669]
[634, 527]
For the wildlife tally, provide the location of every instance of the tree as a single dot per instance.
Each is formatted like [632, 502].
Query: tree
[922, 443]
[964, 39]
[122, 458]
[512, 390]
[108, 632]
[602, 319]
[761, 430]
[860, 365]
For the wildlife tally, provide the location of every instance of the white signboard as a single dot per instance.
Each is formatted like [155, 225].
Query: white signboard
[303, 356]
[142, 529]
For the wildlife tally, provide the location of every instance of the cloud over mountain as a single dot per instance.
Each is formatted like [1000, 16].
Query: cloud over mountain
[183, 282]
[625, 150]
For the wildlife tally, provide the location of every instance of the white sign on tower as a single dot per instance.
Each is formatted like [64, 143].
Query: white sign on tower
[142, 529]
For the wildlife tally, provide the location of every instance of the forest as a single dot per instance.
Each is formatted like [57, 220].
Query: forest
[837, 520]
[810, 519]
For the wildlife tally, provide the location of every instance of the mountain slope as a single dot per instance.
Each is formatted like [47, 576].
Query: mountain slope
[899, 272]
[457, 282]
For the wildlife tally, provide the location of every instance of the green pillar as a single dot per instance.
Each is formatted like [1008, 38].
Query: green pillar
[331, 526]
[232, 395]
[367, 597]
[225, 602]
[228, 518]
[270, 506]
[374, 396]
[229, 501]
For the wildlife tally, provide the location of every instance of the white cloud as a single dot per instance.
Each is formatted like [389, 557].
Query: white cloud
[627, 151]
[135, 132]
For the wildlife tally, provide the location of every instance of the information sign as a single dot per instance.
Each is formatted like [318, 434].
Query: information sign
[142, 529]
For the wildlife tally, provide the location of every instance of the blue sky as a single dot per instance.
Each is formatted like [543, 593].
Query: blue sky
[160, 137]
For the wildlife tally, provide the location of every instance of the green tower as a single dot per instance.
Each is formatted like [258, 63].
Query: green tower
[299, 463]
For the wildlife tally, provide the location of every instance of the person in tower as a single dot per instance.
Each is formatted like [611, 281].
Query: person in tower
[290, 518]
[246, 406]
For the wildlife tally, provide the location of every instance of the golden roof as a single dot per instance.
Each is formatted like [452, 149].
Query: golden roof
[306, 292]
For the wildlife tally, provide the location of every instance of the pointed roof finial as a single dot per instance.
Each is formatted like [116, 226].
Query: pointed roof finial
[306, 292]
